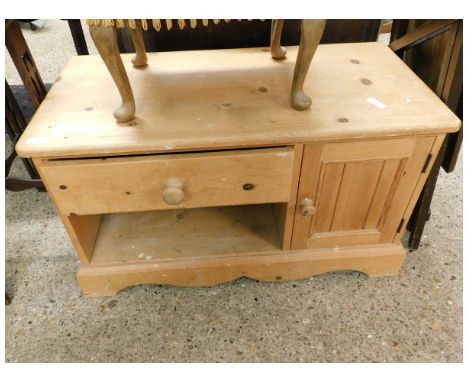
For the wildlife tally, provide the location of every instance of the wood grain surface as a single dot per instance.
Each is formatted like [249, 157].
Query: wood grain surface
[234, 98]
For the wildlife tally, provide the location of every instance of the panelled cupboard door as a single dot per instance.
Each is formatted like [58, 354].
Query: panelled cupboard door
[354, 193]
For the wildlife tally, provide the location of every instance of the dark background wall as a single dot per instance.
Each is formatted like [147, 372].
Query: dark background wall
[241, 34]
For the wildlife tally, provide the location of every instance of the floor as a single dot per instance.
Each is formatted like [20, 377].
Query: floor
[336, 317]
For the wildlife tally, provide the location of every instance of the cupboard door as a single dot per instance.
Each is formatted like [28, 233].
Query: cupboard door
[353, 193]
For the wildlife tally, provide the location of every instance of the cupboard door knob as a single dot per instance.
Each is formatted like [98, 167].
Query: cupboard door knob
[307, 207]
[173, 193]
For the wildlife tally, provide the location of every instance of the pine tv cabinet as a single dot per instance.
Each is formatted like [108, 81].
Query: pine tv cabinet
[219, 178]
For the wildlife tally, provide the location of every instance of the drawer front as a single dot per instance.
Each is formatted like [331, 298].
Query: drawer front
[156, 182]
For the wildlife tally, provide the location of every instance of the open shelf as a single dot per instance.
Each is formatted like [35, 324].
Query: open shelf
[185, 233]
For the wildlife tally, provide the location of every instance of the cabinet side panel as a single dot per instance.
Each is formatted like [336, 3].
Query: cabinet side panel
[86, 228]
[419, 186]
[82, 230]
[412, 174]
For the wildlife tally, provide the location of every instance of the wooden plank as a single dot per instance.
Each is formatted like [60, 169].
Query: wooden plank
[14, 183]
[281, 215]
[284, 212]
[399, 28]
[430, 145]
[86, 228]
[78, 36]
[421, 211]
[435, 60]
[446, 58]
[406, 188]
[452, 95]
[387, 179]
[421, 34]
[370, 150]
[355, 195]
[333, 174]
[452, 152]
[374, 260]
[311, 165]
[83, 231]
[15, 123]
[344, 238]
[234, 98]
[24, 62]
[453, 84]
[185, 234]
[94, 186]
[386, 27]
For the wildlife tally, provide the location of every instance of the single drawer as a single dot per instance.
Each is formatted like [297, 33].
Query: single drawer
[157, 182]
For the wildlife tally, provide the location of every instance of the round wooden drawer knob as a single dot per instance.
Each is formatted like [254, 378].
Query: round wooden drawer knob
[173, 193]
[307, 207]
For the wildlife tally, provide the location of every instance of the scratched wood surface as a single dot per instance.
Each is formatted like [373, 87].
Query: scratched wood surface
[221, 178]
[360, 189]
[107, 279]
[233, 98]
[185, 234]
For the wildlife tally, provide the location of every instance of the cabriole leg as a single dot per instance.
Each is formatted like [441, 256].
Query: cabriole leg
[139, 59]
[105, 39]
[311, 33]
[277, 51]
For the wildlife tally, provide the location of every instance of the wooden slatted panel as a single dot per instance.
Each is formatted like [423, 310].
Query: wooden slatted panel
[330, 186]
[384, 190]
[356, 193]
[406, 187]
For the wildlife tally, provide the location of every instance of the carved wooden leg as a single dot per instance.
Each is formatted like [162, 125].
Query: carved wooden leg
[277, 51]
[311, 33]
[105, 39]
[139, 59]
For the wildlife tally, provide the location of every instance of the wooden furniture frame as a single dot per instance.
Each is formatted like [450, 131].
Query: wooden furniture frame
[24, 62]
[78, 36]
[15, 122]
[233, 182]
[434, 50]
[105, 39]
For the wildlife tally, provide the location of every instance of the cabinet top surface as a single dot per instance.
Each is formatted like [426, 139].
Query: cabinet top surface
[200, 100]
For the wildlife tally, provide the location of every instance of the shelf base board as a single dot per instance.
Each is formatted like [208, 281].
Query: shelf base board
[374, 260]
